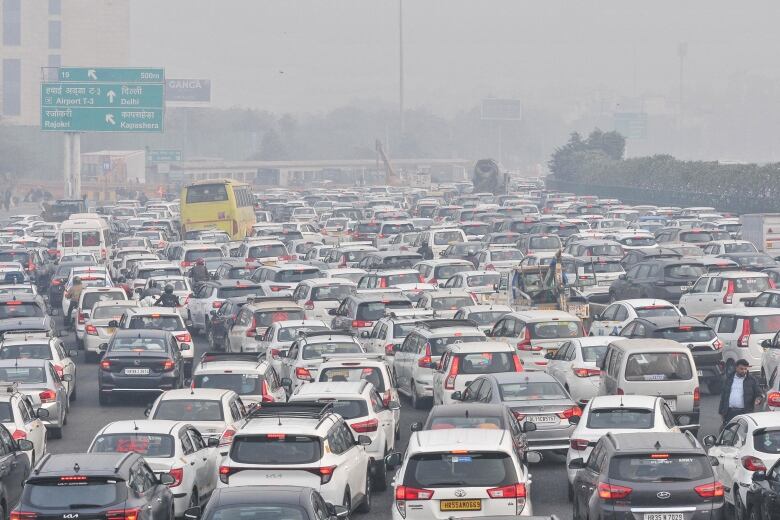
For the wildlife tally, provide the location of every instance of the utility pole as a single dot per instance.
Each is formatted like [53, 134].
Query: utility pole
[401, 64]
[682, 52]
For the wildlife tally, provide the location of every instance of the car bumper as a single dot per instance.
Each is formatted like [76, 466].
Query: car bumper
[154, 383]
[54, 420]
[550, 439]
[692, 512]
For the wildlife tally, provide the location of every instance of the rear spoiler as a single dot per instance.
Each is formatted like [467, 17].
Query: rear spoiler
[207, 357]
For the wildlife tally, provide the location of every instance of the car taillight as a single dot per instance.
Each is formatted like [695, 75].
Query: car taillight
[216, 304]
[717, 344]
[277, 288]
[56, 281]
[91, 330]
[525, 343]
[82, 318]
[586, 372]
[490, 267]
[19, 435]
[275, 353]
[23, 515]
[773, 399]
[426, 360]
[227, 437]
[185, 337]
[48, 396]
[696, 396]
[570, 412]
[303, 374]
[105, 364]
[449, 383]
[517, 362]
[326, 473]
[178, 476]
[309, 305]
[266, 394]
[252, 330]
[389, 349]
[185, 263]
[168, 365]
[370, 425]
[361, 323]
[510, 491]
[60, 371]
[751, 463]
[620, 391]
[224, 474]
[421, 278]
[613, 492]
[713, 489]
[578, 444]
[729, 296]
[744, 338]
[410, 493]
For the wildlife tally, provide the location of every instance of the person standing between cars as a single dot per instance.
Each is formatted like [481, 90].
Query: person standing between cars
[740, 394]
[74, 295]
[199, 273]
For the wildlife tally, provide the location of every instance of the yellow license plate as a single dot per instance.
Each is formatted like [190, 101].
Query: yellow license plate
[110, 330]
[460, 505]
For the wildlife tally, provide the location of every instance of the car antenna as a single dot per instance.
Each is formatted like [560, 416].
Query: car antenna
[135, 425]
[621, 400]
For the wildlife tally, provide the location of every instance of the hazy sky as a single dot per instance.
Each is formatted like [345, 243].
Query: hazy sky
[314, 55]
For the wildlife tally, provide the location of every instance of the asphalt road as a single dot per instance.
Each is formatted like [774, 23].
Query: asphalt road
[548, 489]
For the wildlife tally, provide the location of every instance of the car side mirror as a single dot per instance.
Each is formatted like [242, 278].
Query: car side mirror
[148, 411]
[758, 476]
[533, 457]
[213, 312]
[42, 413]
[188, 323]
[714, 461]
[574, 419]
[212, 442]
[192, 513]
[332, 312]
[365, 334]
[597, 317]
[416, 426]
[767, 343]
[364, 440]
[748, 303]
[67, 377]
[24, 445]
[394, 405]
[709, 441]
[113, 323]
[287, 383]
[622, 276]
[528, 427]
[166, 479]
[549, 355]
[457, 395]
[138, 290]
[103, 347]
[393, 460]
[489, 333]
[577, 463]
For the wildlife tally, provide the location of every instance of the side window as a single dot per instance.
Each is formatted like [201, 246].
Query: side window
[741, 437]
[234, 411]
[335, 441]
[773, 379]
[762, 300]
[563, 351]
[628, 330]
[25, 411]
[727, 324]
[376, 402]
[346, 435]
[6, 442]
[319, 507]
[572, 353]
[147, 477]
[472, 390]
[186, 443]
[383, 331]
[667, 415]
[485, 392]
[197, 441]
[621, 314]
[375, 330]
[728, 435]
[700, 286]
[609, 313]
[639, 330]
[716, 285]
[597, 452]
[712, 322]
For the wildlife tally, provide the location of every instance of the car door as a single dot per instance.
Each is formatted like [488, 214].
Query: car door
[237, 332]
[402, 360]
[205, 459]
[355, 458]
[34, 426]
[68, 366]
[603, 326]
[726, 451]
[692, 301]
[197, 304]
[713, 298]
[438, 375]
[504, 329]
[555, 366]
[471, 391]
[14, 465]
[586, 481]
[288, 362]
[386, 418]
[275, 387]
[159, 500]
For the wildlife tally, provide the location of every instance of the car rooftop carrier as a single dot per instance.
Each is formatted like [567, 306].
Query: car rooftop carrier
[294, 410]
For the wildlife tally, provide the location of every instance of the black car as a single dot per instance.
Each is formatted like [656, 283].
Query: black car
[650, 472]
[139, 361]
[222, 320]
[635, 256]
[697, 336]
[14, 469]
[662, 279]
[763, 495]
[751, 261]
[279, 502]
[114, 486]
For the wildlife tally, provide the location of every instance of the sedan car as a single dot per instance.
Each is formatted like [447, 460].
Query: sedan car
[575, 366]
[37, 379]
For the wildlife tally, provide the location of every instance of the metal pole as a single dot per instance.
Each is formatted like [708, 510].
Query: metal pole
[500, 143]
[76, 168]
[401, 64]
[66, 166]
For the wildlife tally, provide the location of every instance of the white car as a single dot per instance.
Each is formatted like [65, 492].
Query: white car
[282, 279]
[249, 375]
[40, 345]
[17, 413]
[576, 366]
[616, 414]
[503, 259]
[318, 295]
[281, 334]
[482, 285]
[716, 290]
[89, 297]
[446, 302]
[302, 363]
[101, 324]
[353, 274]
[437, 272]
[485, 316]
[621, 313]
[748, 443]
[171, 447]
[483, 475]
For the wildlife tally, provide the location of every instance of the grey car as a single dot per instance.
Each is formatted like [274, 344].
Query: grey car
[37, 379]
[533, 397]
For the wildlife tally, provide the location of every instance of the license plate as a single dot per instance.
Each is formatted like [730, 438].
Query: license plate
[460, 505]
[543, 419]
[672, 405]
[664, 516]
[699, 373]
[605, 283]
[137, 371]
[682, 288]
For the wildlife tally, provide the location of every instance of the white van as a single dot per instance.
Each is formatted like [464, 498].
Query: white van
[85, 233]
[656, 367]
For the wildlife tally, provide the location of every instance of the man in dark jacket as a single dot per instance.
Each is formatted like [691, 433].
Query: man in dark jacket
[740, 393]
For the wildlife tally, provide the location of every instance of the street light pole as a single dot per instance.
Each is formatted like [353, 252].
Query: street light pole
[401, 64]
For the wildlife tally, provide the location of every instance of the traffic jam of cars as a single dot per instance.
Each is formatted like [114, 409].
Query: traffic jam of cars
[413, 353]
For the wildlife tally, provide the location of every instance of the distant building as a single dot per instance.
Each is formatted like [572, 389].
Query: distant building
[114, 167]
[35, 34]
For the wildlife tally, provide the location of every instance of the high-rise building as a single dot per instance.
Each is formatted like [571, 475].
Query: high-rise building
[40, 34]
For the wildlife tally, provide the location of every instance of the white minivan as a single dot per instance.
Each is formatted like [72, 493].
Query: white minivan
[85, 233]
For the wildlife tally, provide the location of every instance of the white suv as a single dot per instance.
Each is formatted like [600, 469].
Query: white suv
[301, 444]
[249, 375]
[318, 295]
[722, 289]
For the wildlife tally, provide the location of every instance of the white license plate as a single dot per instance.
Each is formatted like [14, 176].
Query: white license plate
[672, 405]
[137, 371]
[664, 516]
[682, 288]
[605, 283]
[543, 419]
[699, 373]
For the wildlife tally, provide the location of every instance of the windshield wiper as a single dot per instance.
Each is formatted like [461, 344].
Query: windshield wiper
[673, 479]
[450, 483]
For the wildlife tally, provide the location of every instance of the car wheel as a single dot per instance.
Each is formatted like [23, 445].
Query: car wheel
[365, 504]
[194, 499]
[104, 399]
[73, 393]
[416, 401]
[380, 474]
[347, 500]
[570, 492]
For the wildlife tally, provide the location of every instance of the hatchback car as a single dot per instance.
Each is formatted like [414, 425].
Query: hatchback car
[37, 379]
[663, 279]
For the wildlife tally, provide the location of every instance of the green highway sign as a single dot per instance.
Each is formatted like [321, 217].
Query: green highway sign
[102, 74]
[164, 155]
[81, 119]
[105, 95]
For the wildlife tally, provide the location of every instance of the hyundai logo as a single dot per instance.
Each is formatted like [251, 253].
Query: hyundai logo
[460, 493]
[663, 495]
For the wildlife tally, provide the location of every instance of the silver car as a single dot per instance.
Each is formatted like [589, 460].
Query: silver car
[37, 379]
[102, 323]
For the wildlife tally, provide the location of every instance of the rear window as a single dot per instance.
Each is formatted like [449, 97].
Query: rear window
[136, 344]
[660, 467]
[686, 334]
[487, 317]
[476, 229]
[55, 494]
[445, 272]
[460, 470]
[751, 285]
[442, 238]
[147, 444]
[603, 267]
[466, 421]
[90, 238]
[606, 250]
[394, 229]
[242, 384]
[508, 254]
[655, 312]
[239, 273]
[194, 254]
[206, 193]
[739, 248]
[439, 345]
[17, 309]
[109, 312]
[190, 410]
[90, 299]
[295, 275]
[26, 351]
[368, 228]
[372, 311]
[355, 256]
[555, 329]
[243, 290]
[268, 318]
[349, 408]
[594, 354]
[169, 323]
[23, 375]
[451, 302]
[400, 261]
[353, 375]
[621, 418]
[696, 237]
[317, 350]
[484, 280]
[531, 390]
[405, 278]
[401, 330]
[258, 512]
[658, 366]
[767, 441]
[276, 449]
[765, 324]
[267, 251]
[486, 363]
[637, 241]
[544, 243]
[290, 333]
[689, 271]
[15, 256]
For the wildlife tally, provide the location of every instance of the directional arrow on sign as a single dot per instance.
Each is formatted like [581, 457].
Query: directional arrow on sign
[92, 74]
[111, 95]
[110, 119]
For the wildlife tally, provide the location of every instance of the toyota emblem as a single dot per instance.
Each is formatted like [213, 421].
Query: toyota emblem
[460, 493]
[663, 495]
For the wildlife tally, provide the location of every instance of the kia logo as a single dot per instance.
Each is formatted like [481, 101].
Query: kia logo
[663, 495]
[71, 515]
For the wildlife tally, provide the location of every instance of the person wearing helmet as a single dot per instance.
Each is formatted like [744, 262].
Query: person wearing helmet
[167, 298]
[199, 273]
[73, 295]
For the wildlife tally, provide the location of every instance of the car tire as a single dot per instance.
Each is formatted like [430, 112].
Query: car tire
[570, 492]
[416, 401]
[104, 399]
[365, 504]
[347, 502]
[73, 395]
[739, 508]
[194, 498]
[380, 475]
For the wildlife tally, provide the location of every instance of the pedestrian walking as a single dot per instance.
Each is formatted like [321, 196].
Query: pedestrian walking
[741, 393]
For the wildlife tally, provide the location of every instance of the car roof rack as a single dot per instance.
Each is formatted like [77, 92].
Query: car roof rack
[211, 357]
[314, 333]
[367, 356]
[443, 323]
[294, 410]
[409, 313]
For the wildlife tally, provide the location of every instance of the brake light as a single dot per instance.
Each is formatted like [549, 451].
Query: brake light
[578, 444]
[383, 283]
[186, 263]
[613, 492]
[389, 349]
[410, 493]
[56, 281]
[91, 330]
[309, 305]
[714, 489]
[586, 372]
[105, 364]
[696, 396]
[729, 296]
[23, 515]
[518, 415]
[275, 353]
[227, 437]
[773, 399]
[744, 338]
[185, 337]
[517, 362]
[510, 491]
[370, 425]
[178, 476]
[19, 435]
[620, 391]
[449, 383]
[48, 396]
[751, 463]
[303, 374]
[224, 473]
[82, 318]
[490, 267]
[168, 365]
[574, 411]
[216, 304]
[277, 288]
[252, 330]
[361, 323]
[60, 371]
[426, 360]
[266, 395]
[122, 514]
[326, 473]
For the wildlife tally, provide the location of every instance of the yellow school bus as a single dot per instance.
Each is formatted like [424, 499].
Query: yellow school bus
[218, 204]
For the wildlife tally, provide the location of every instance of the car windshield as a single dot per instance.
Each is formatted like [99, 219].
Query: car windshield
[751, 285]
[275, 448]
[472, 469]
[450, 302]
[606, 250]
[486, 363]
[486, 317]
[445, 272]
[354, 374]
[531, 391]
[602, 267]
[91, 298]
[476, 229]
[439, 345]
[267, 251]
[621, 418]
[26, 351]
[54, 494]
[655, 312]
[295, 275]
[658, 366]
[507, 254]
[686, 334]
[317, 350]
[189, 410]
[765, 324]
[146, 444]
[269, 317]
[555, 329]
[157, 322]
[688, 271]
[265, 511]
[335, 292]
[239, 290]
[403, 278]
[767, 440]
[23, 375]
[401, 330]
[442, 238]
[467, 420]
[660, 467]
[483, 280]
[138, 344]
[290, 333]
[594, 353]
[242, 384]
[18, 309]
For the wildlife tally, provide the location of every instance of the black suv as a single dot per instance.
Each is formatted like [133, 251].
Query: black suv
[662, 279]
[655, 473]
[257, 501]
[114, 486]
[697, 336]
